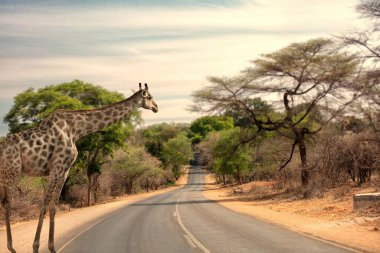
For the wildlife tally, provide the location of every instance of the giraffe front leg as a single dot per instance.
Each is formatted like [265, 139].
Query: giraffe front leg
[51, 228]
[52, 211]
[52, 183]
[7, 211]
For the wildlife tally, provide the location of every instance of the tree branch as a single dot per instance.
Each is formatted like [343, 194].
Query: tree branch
[291, 156]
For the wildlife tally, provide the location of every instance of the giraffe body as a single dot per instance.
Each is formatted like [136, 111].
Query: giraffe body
[49, 150]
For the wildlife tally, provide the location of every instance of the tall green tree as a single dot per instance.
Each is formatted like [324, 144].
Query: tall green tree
[156, 135]
[177, 152]
[32, 106]
[231, 157]
[316, 73]
[200, 127]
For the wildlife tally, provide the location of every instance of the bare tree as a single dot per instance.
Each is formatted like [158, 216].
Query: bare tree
[369, 8]
[367, 43]
[298, 80]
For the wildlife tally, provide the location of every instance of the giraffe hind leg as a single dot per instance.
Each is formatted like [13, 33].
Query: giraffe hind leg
[5, 203]
[52, 183]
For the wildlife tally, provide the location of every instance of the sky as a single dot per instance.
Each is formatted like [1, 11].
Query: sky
[173, 45]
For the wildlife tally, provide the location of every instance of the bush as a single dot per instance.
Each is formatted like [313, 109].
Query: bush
[133, 169]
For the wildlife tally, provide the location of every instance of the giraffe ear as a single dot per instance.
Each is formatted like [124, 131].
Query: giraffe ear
[146, 86]
[139, 86]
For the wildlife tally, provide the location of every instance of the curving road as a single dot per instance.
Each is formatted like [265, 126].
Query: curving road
[183, 221]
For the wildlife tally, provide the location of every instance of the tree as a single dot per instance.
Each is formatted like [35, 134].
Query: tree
[152, 178]
[177, 152]
[32, 106]
[156, 135]
[134, 165]
[369, 50]
[96, 149]
[204, 150]
[200, 127]
[315, 73]
[257, 104]
[369, 9]
[231, 158]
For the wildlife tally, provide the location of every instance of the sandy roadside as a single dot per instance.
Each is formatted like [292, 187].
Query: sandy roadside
[342, 232]
[70, 223]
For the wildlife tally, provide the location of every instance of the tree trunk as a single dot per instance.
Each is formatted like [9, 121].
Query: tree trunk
[224, 179]
[300, 140]
[147, 185]
[91, 162]
[305, 174]
[89, 178]
[239, 177]
[96, 187]
[89, 192]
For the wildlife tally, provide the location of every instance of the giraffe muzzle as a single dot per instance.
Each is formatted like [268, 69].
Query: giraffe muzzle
[155, 107]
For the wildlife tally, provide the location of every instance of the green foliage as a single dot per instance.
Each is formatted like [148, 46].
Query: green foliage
[156, 135]
[32, 106]
[152, 178]
[241, 116]
[177, 152]
[203, 150]
[131, 166]
[33, 183]
[231, 157]
[200, 127]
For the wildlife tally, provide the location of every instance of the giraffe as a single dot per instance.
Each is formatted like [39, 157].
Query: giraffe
[49, 150]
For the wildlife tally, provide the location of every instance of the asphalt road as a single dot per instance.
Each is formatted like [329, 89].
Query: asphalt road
[183, 221]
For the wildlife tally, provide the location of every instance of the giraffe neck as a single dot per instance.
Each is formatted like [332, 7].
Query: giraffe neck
[84, 122]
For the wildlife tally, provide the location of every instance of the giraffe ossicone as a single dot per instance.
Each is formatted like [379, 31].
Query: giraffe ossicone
[48, 149]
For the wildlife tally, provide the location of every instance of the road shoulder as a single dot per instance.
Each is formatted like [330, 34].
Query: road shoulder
[71, 223]
[342, 232]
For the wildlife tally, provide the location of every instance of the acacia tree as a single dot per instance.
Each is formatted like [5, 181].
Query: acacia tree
[32, 106]
[315, 73]
[367, 42]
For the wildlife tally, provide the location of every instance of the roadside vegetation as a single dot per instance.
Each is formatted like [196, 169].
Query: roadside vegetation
[305, 117]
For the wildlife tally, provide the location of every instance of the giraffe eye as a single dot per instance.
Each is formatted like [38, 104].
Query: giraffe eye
[144, 94]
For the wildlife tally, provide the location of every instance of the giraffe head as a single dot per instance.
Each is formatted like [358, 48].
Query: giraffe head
[147, 99]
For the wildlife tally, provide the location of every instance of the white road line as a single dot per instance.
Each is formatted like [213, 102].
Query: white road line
[189, 241]
[188, 234]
